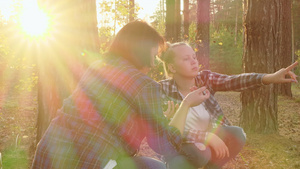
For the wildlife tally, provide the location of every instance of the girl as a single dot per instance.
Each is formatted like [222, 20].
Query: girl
[210, 140]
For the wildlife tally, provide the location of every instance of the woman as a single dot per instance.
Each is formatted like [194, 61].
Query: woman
[114, 107]
[210, 140]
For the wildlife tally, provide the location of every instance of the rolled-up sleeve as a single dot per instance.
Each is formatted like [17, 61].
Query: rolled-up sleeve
[161, 137]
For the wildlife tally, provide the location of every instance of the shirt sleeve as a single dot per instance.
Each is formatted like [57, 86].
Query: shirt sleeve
[222, 82]
[162, 138]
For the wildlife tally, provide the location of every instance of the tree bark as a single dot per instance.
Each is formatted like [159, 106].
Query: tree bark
[62, 59]
[177, 33]
[202, 33]
[170, 20]
[186, 19]
[263, 52]
[173, 21]
[285, 43]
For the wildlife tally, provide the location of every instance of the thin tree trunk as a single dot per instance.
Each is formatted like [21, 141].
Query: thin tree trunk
[202, 33]
[236, 21]
[186, 20]
[177, 33]
[213, 14]
[170, 20]
[285, 51]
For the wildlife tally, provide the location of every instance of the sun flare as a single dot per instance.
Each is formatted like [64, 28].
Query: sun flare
[34, 21]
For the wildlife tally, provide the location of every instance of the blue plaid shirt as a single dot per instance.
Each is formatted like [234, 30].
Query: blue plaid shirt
[214, 82]
[112, 110]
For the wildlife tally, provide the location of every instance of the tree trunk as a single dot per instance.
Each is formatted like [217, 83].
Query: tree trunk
[262, 53]
[296, 23]
[186, 20]
[62, 59]
[285, 43]
[202, 33]
[236, 21]
[170, 20]
[177, 33]
[173, 21]
[131, 10]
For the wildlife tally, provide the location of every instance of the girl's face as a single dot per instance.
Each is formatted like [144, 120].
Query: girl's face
[185, 62]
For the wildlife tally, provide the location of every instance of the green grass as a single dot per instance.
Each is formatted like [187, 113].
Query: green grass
[15, 158]
[272, 151]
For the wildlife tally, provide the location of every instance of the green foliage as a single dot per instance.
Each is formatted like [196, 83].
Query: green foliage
[116, 11]
[15, 158]
[27, 83]
[226, 13]
[157, 72]
[105, 37]
[159, 22]
[5, 51]
[225, 53]
[192, 33]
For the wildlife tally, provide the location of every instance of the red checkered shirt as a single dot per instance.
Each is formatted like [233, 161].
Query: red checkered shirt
[214, 82]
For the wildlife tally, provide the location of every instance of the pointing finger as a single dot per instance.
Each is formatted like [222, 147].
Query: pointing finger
[292, 66]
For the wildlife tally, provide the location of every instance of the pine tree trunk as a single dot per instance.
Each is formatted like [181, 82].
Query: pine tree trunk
[186, 19]
[177, 33]
[202, 33]
[285, 50]
[62, 60]
[170, 20]
[263, 46]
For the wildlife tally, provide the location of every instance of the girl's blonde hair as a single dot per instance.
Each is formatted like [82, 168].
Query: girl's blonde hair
[167, 56]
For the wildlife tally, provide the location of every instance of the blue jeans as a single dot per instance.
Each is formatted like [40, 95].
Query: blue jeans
[139, 162]
[191, 157]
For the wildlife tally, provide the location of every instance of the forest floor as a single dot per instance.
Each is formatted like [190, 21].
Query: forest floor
[18, 114]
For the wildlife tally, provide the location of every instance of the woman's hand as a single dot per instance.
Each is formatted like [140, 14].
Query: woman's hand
[197, 96]
[280, 76]
[194, 98]
[218, 146]
[169, 113]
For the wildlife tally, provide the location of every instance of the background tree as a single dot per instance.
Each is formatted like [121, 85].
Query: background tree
[296, 31]
[202, 32]
[173, 21]
[285, 43]
[186, 19]
[62, 61]
[263, 48]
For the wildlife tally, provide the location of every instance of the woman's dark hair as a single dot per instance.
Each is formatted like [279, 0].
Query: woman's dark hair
[135, 41]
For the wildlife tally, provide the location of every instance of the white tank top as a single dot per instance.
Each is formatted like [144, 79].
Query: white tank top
[197, 118]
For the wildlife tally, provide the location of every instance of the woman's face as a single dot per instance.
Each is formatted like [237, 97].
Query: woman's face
[185, 62]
